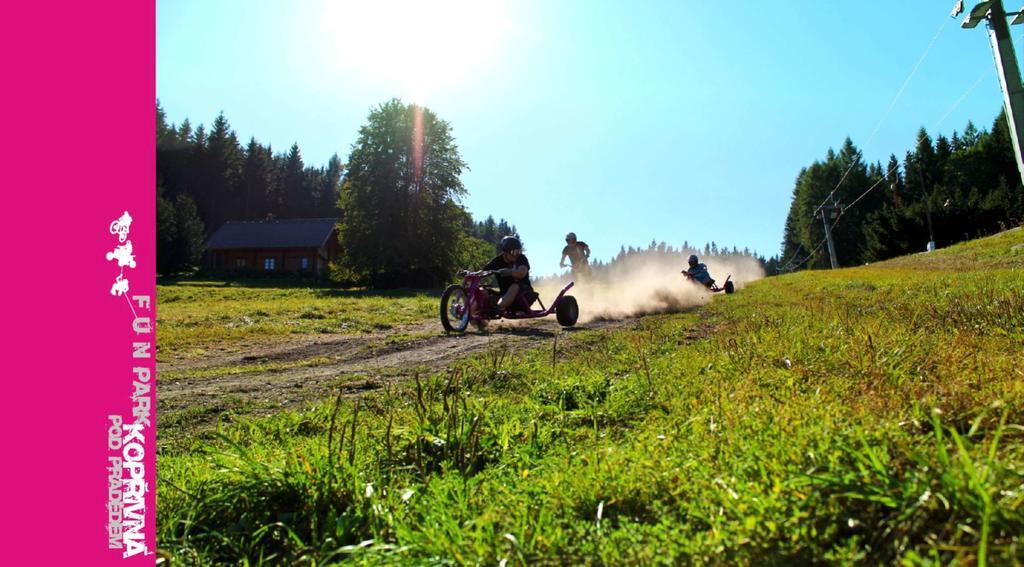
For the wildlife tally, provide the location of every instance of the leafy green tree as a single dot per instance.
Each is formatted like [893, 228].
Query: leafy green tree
[473, 252]
[401, 220]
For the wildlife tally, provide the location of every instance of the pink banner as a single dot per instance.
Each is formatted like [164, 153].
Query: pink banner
[80, 301]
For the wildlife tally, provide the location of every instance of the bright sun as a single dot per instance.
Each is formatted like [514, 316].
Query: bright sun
[417, 47]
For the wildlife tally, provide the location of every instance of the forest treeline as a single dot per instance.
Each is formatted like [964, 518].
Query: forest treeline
[945, 190]
[205, 178]
[401, 222]
[629, 255]
[397, 199]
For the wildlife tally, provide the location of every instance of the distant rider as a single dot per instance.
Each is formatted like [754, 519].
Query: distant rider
[512, 270]
[578, 253]
[699, 272]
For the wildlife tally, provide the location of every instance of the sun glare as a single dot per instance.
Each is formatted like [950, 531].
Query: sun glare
[417, 47]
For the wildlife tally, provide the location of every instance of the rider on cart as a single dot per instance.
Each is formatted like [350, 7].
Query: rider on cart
[512, 270]
[699, 272]
[578, 253]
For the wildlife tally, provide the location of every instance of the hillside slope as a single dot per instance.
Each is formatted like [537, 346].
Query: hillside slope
[870, 414]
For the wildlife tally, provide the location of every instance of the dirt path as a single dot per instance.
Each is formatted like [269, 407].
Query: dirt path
[288, 373]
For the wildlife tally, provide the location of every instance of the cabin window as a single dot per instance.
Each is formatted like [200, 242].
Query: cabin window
[304, 263]
[239, 262]
[269, 263]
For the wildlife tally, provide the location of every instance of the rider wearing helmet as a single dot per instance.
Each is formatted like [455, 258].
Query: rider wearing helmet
[699, 272]
[578, 253]
[512, 270]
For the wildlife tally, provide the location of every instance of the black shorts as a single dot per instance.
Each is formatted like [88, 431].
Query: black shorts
[524, 289]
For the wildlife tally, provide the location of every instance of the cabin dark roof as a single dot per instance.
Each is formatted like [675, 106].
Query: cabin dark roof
[285, 233]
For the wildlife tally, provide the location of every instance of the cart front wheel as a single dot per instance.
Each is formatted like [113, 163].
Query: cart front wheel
[454, 309]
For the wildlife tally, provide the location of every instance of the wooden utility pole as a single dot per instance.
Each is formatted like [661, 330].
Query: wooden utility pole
[1006, 65]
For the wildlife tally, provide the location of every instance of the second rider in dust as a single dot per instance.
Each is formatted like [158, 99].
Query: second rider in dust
[698, 272]
[578, 254]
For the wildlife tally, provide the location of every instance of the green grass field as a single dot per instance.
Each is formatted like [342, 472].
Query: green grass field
[195, 316]
[868, 415]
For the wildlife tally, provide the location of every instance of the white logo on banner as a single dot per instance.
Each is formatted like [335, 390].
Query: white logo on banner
[123, 254]
[121, 226]
[120, 286]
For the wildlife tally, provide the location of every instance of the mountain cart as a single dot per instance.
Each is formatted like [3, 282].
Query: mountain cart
[473, 301]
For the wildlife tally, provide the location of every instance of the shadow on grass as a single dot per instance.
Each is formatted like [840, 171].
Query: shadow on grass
[524, 331]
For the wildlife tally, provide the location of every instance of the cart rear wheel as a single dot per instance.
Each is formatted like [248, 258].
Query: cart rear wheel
[729, 288]
[454, 309]
[567, 311]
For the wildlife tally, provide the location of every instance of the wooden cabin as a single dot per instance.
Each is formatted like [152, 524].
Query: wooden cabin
[289, 246]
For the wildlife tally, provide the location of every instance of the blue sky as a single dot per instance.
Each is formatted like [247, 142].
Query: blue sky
[621, 121]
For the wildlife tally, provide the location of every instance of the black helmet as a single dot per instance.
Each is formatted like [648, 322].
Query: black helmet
[693, 260]
[571, 236]
[510, 243]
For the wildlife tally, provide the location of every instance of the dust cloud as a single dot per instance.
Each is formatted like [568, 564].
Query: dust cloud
[648, 283]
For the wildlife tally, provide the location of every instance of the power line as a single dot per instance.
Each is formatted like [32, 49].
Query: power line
[892, 104]
[962, 98]
[784, 266]
[808, 257]
[906, 82]
[864, 194]
[886, 175]
[859, 155]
